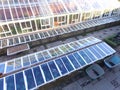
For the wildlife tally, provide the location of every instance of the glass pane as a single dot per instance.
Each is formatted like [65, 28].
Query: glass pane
[10, 66]
[58, 51]
[108, 47]
[38, 75]
[52, 52]
[18, 63]
[77, 56]
[20, 84]
[95, 52]
[10, 83]
[64, 49]
[61, 66]
[104, 49]
[2, 67]
[69, 48]
[32, 59]
[86, 58]
[1, 84]
[40, 56]
[93, 58]
[46, 54]
[53, 69]
[100, 51]
[26, 61]
[30, 79]
[46, 71]
[73, 60]
[67, 64]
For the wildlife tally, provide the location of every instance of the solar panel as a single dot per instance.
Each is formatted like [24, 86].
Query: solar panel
[54, 69]
[29, 79]
[20, 81]
[95, 52]
[38, 75]
[61, 66]
[1, 84]
[73, 61]
[90, 54]
[46, 72]
[10, 85]
[67, 64]
[84, 56]
[104, 49]
[79, 58]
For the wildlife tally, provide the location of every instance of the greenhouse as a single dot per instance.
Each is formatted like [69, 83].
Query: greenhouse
[23, 21]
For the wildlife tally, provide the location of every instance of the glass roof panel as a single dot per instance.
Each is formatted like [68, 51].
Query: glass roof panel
[84, 5]
[70, 5]
[57, 7]
[95, 4]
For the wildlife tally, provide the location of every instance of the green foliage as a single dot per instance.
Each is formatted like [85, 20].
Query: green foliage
[110, 40]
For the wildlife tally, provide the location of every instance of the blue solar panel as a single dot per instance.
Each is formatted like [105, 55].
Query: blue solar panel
[38, 75]
[67, 64]
[30, 79]
[95, 53]
[74, 61]
[20, 83]
[49, 71]
[54, 69]
[61, 66]
[86, 58]
[93, 58]
[1, 84]
[46, 71]
[77, 56]
[104, 49]
[108, 47]
[2, 67]
[100, 51]
[10, 82]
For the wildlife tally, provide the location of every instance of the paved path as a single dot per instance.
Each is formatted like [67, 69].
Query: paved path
[109, 81]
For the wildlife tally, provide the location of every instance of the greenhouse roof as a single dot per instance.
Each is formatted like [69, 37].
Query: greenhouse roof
[11, 10]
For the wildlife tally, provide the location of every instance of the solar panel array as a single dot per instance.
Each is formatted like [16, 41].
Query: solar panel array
[44, 55]
[49, 71]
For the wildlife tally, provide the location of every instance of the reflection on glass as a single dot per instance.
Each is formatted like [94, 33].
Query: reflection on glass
[64, 49]
[18, 63]
[52, 52]
[26, 61]
[10, 66]
[46, 54]
[58, 51]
